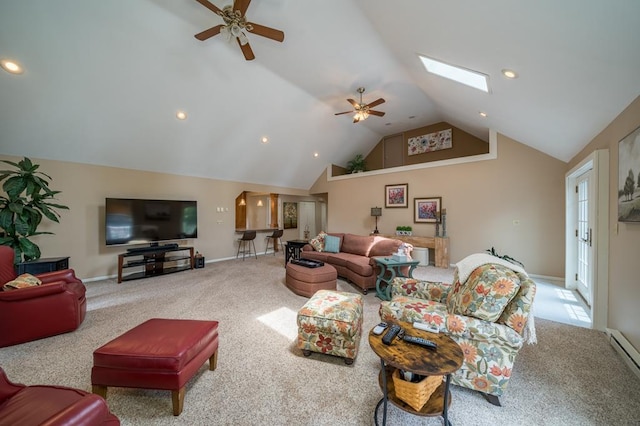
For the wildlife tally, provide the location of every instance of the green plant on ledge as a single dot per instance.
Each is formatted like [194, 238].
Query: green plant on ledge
[27, 198]
[357, 164]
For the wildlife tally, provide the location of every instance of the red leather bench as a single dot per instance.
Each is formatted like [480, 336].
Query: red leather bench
[157, 354]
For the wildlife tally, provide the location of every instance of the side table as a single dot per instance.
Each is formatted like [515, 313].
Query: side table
[393, 267]
[443, 361]
[292, 250]
[42, 265]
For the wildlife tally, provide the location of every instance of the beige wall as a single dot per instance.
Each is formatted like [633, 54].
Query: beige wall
[483, 199]
[80, 233]
[624, 238]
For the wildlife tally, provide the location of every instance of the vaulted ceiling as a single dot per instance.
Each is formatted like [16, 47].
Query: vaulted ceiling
[103, 80]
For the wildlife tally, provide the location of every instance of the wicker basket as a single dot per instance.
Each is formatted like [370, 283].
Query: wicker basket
[415, 394]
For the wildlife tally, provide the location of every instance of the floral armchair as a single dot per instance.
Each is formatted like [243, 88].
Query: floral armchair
[486, 311]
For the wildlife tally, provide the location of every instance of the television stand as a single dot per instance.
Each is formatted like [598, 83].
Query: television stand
[153, 261]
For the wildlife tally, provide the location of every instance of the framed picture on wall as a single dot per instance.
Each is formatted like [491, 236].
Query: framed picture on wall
[396, 195]
[629, 177]
[427, 210]
[290, 215]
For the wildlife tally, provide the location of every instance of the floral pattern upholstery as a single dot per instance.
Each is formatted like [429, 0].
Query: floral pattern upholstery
[486, 293]
[331, 323]
[489, 348]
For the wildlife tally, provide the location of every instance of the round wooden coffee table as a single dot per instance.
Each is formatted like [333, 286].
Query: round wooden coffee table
[443, 361]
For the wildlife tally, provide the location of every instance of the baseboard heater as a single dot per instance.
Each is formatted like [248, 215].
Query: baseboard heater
[629, 354]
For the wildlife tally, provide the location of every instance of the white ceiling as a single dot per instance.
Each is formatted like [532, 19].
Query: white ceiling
[104, 79]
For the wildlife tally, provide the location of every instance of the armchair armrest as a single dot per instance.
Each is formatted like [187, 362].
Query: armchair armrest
[427, 290]
[66, 275]
[7, 387]
[33, 292]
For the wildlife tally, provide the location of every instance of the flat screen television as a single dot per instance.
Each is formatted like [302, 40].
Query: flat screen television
[138, 221]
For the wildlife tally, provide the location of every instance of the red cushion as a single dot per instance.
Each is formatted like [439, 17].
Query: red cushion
[157, 344]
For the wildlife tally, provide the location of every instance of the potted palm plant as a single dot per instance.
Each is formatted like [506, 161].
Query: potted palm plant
[357, 164]
[26, 199]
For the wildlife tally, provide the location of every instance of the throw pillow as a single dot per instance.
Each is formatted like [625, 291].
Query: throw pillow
[318, 242]
[487, 292]
[22, 281]
[332, 244]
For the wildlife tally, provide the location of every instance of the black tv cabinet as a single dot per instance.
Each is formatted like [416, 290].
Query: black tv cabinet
[154, 262]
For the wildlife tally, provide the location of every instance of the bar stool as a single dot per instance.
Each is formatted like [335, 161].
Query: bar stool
[247, 239]
[277, 234]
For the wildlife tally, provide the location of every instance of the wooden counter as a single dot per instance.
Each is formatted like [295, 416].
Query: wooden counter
[440, 245]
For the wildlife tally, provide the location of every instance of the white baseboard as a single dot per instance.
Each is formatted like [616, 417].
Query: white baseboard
[626, 350]
[559, 281]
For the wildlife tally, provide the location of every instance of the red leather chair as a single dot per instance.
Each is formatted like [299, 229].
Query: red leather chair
[56, 306]
[50, 405]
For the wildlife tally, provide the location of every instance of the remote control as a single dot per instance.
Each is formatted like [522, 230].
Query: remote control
[378, 329]
[420, 341]
[425, 327]
[391, 334]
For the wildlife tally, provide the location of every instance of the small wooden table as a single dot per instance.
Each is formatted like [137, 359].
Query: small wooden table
[443, 361]
[387, 264]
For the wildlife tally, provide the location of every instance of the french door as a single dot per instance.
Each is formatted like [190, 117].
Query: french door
[584, 238]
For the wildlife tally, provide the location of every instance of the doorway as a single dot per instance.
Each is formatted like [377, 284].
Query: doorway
[587, 234]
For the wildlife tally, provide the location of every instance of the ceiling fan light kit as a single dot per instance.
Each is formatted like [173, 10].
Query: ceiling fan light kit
[236, 26]
[361, 110]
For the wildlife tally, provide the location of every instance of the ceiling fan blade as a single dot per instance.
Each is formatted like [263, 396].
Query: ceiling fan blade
[212, 7]
[376, 103]
[267, 32]
[346, 112]
[378, 113]
[246, 50]
[241, 5]
[354, 103]
[209, 33]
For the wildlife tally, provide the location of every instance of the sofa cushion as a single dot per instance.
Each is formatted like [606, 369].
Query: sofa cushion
[384, 246]
[486, 293]
[318, 242]
[22, 281]
[321, 256]
[361, 266]
[331, 244]
[357, 244]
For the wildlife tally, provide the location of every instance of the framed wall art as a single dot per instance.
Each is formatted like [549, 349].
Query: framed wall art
[629, 177]
[427, 210]
[290, 213]
[396, 195]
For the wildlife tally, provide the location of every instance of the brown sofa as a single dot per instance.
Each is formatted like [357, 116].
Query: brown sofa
[354, 261]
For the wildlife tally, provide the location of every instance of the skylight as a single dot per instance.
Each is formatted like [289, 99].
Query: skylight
[470, 78]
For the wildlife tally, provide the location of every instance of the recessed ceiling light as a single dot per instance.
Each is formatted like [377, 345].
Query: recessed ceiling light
[387, 124]
[482, 113]
[181, 115]
[461, 75]
[11, 66]
[411, 117]
[264, 139]
[315, 154]
[509, 73]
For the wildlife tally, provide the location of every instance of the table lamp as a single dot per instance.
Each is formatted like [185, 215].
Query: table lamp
[376, 212]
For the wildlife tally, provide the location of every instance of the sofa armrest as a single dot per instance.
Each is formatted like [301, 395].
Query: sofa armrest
[419, 289]
[66, 275]
[90, 409]
[33, 292]
[307, 247]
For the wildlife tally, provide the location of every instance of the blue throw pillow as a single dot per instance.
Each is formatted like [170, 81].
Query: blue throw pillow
[332, 244]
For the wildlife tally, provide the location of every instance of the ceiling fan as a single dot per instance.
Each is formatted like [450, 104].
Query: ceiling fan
[362, 110]
[235, 25]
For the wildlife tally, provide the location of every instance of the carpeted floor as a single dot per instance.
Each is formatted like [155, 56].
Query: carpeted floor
[571, 377]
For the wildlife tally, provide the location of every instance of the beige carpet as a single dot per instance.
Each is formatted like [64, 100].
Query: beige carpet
[571, 377]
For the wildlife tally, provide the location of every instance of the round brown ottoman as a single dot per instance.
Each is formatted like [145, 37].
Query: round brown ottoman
[306, 281]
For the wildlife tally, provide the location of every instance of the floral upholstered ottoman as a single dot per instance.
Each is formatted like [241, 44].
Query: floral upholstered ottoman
[331, 323]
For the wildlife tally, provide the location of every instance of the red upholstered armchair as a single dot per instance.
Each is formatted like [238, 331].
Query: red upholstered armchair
[56, 306]
[51, 405]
